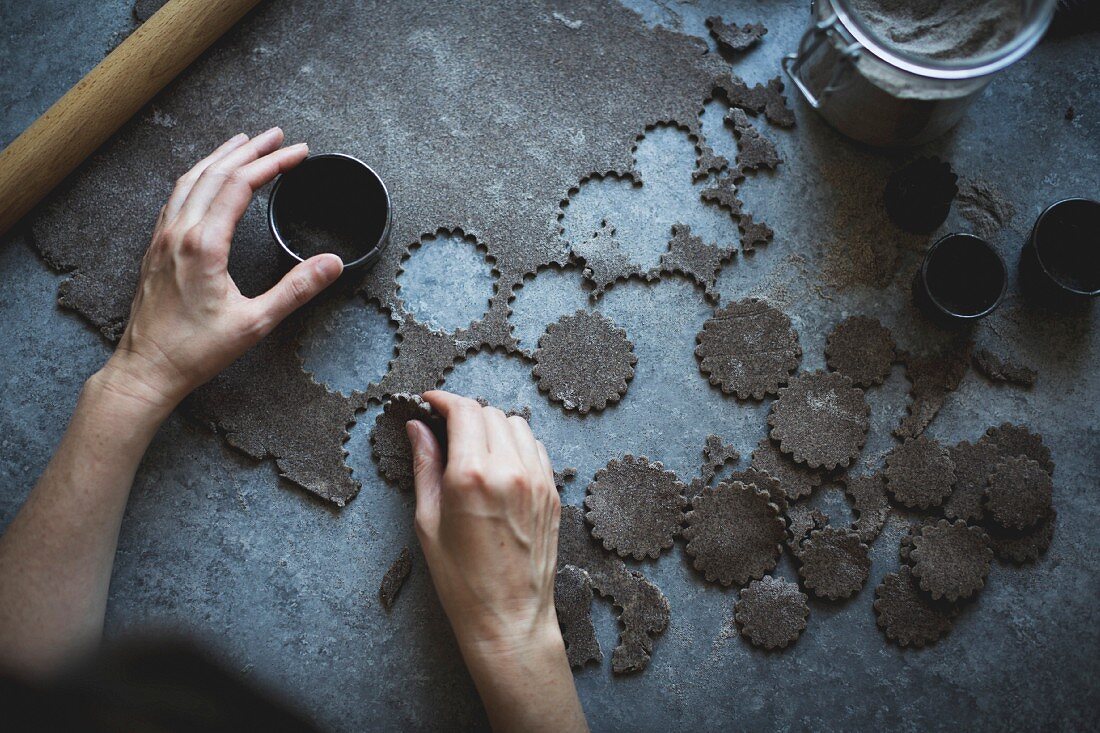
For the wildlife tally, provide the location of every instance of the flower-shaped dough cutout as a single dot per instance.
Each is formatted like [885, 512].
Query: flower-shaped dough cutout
[795, 480]
[861, 349]
[635, 507]
[1026, 546]
[950, 559]
[919, 473]
[1016, 440]
[907, 617]
[748, 348]
[584, 361]
[1019, 494]
[765, 482]
[834, 562]
[734, 533]
[974, 463]
[820, 419]
[390, 443]
[771, 612]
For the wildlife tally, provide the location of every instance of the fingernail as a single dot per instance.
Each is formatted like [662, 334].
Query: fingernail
[413, 433]
[271, 132]
[296, 146]
[329, 266]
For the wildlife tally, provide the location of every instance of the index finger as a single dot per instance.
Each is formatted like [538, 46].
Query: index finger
[466, 437]
[187, 180]
[232, 199]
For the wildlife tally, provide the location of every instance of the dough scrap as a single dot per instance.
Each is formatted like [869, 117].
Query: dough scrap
[723, 192]
[644, 610]
[932, 377]
[768, 99]
[395, 578]
[753, 233]
[716, 454]
[870, 503]
[754, 151]
[999, 369]
[605, 260]
[285, 415]
[733, 38]
[691, 256]
[573, 603]
[564, 476]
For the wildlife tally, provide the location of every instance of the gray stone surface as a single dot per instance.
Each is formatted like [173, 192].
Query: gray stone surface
[285, 586]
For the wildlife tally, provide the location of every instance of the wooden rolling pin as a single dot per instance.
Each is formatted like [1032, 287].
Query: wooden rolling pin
[109, 95]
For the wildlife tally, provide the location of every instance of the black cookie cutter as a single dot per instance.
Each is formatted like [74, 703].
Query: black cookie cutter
[961, 280]
[1060, 261]
[331, 179]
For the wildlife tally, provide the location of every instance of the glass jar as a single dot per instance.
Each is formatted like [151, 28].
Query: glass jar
[882, 95]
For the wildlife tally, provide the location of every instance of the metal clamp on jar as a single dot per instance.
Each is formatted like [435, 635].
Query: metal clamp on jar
[878, 93]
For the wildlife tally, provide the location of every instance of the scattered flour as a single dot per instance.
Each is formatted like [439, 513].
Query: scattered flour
[574, 24]
[987, 210]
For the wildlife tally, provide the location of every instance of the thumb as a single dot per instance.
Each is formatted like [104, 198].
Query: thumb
[298, 287]
[427, 466]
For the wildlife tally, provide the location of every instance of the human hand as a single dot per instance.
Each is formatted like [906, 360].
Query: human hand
[189, 320]
[488, 524]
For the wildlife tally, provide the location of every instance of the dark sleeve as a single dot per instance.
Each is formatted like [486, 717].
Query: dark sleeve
[164, 685]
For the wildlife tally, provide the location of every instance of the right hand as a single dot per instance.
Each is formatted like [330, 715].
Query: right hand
[488, 525]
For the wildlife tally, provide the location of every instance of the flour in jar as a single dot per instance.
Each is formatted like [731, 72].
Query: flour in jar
[937, 30]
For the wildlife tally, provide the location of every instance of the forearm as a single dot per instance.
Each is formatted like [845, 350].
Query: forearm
[56, 556]
[188, 321]
[527, 687]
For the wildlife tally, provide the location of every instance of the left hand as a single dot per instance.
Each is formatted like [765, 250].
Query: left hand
[189, 320]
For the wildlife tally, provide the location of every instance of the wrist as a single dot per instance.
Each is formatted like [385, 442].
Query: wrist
[119, 389]
[515, 647]
[525, 683]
